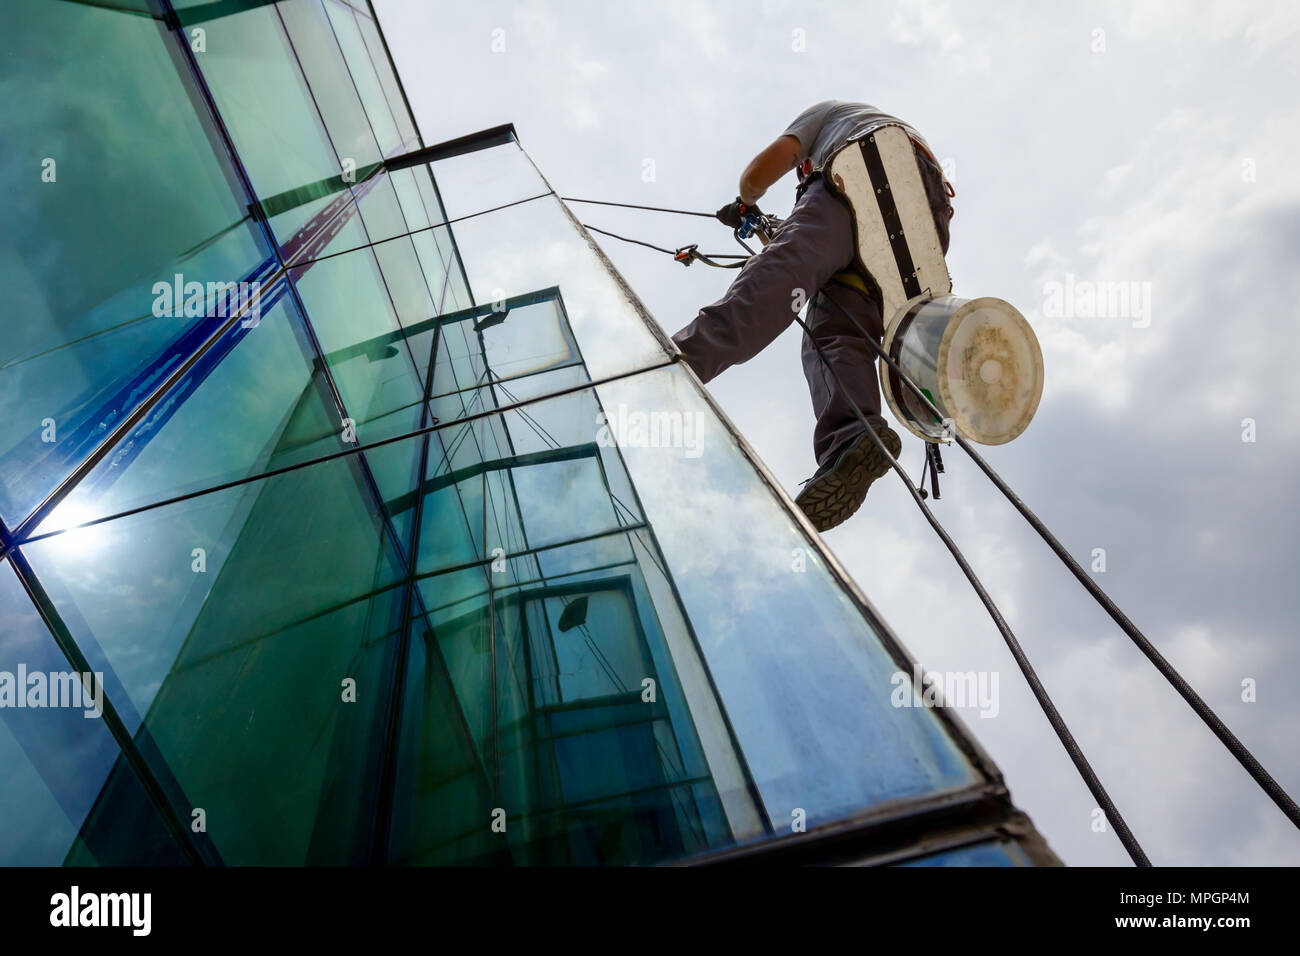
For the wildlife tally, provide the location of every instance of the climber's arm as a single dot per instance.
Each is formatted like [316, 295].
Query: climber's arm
[767, 167]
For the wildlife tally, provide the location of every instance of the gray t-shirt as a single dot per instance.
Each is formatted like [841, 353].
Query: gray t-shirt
[825, 127]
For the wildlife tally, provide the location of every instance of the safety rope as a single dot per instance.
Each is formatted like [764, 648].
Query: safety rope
[1243, 755]
[685, 255]
[1203, 710]
[1072, 747]
[628, 205]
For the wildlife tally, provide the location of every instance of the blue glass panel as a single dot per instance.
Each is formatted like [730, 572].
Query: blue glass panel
[62, 769]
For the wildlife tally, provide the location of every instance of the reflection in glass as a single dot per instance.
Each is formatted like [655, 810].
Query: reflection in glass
[86, 242]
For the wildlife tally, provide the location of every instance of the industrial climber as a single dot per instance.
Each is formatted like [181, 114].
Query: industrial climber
[809, 257]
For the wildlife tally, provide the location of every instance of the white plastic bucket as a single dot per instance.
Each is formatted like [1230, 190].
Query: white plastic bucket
[977, 360]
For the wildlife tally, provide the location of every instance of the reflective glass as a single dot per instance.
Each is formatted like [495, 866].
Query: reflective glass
[94, 223]
[249, 633]
[322, 61]
[268, 107]
[364, 77]
[807, 682]
[64, 777]
[255, 402]
[387, 79]
[535, 246]
[582, 714]
[484, 179]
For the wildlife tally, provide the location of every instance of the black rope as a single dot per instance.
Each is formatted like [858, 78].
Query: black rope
[638, 242]
[691, 251]
[628, 205]
[1040, 692]
[1203, 710]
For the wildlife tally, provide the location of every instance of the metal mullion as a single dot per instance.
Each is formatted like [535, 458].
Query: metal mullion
[387, 784]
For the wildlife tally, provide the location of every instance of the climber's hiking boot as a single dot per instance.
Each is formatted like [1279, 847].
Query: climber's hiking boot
[837, 490]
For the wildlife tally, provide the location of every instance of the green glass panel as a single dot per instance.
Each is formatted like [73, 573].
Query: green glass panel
[252, 631]
[365, 78]
[552, 725]
[268, 107]
[255, 403]
[94, 221]
[380, 210]
[405, 281]
[500, 250]
[352, 314]
[332, 88]
[513, 340]
[442, 786]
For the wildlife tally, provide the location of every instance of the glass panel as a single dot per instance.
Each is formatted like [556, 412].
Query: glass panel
[86, 243]
[62, 769]
[375, 46]
[256, 401]
[272, 117]
[534, 476]
[249, 633]
[486, 178]
[805, 679]
[520, 337]
[528, 247]
[352, 314]
[327, 74]
[576, 706]
[363, 75]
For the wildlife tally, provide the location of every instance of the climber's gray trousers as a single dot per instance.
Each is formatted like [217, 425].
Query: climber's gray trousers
[796, 266]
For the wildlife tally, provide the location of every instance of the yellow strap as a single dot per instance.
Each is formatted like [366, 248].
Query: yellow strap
[851, 278]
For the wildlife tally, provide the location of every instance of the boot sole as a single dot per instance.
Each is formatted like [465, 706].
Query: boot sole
[832, 499]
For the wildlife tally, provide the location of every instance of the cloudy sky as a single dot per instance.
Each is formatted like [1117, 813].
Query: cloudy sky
[1146, 143]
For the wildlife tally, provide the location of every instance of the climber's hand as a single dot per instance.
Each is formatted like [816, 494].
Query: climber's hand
[733, 213]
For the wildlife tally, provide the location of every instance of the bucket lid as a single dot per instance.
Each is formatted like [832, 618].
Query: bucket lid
[994, 371]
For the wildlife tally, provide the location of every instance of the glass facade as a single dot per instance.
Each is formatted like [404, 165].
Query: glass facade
[374, 505]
